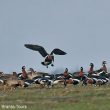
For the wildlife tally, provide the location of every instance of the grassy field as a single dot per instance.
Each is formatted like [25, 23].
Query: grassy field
[57, 98]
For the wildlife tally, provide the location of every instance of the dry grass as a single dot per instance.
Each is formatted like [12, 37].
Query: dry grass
[70, 98]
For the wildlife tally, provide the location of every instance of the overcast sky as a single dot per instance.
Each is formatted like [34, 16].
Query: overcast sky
[79, 27]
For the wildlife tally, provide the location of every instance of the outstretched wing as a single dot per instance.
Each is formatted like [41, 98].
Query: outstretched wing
[38, 48]
[57, 51]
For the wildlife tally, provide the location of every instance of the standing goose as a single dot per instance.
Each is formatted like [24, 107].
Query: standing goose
[49, 58]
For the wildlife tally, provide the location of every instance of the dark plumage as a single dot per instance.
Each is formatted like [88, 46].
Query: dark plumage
[40, 49]
[49, 58]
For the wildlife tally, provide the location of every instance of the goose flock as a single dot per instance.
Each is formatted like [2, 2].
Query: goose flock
[32, 77]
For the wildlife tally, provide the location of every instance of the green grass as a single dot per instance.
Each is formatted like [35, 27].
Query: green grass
[70, 98]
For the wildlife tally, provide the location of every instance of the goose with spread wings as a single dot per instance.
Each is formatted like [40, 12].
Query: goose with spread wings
[49, 58]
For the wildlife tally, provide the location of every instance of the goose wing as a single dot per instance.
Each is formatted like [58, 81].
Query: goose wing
[38, 48]
[57, 51]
